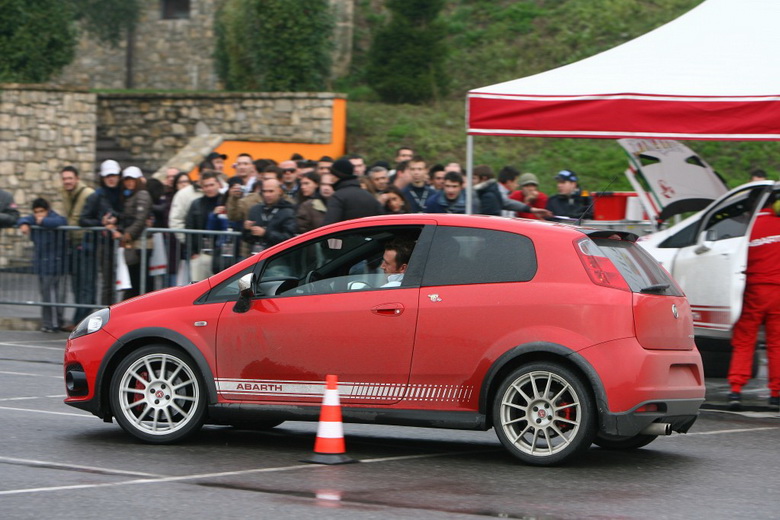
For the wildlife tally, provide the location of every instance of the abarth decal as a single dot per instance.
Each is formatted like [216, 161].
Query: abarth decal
[378, 391]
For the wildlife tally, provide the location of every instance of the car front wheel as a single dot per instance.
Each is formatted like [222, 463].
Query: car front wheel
[158, 395]
[543, 414]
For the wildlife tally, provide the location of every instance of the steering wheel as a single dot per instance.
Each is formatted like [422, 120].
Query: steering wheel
[311, 277]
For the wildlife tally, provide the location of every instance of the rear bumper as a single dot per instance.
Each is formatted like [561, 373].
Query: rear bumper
[680, 413]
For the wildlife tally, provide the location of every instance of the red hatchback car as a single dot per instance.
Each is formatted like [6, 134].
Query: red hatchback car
[556, 336]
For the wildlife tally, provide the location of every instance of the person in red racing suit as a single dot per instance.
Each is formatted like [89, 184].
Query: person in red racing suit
[761, 305]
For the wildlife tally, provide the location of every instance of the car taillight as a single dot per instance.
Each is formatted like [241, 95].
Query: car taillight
[600, 269]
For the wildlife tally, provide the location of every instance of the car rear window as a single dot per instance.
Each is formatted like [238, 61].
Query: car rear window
[640, 270]
[472, 256]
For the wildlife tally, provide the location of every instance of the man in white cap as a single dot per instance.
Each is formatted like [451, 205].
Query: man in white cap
[102, 208]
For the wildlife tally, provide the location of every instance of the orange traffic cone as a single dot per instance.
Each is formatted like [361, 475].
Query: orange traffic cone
[329, 446]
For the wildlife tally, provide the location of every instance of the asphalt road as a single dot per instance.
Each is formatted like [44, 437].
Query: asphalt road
[58, 462]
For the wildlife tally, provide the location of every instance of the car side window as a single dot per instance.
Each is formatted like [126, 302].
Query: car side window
[732, 217]
[341, 262]
[473, 256]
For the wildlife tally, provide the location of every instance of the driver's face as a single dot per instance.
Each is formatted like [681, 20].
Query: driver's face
[390, 263]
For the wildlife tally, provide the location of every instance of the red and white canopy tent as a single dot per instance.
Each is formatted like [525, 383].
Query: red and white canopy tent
[710, 74]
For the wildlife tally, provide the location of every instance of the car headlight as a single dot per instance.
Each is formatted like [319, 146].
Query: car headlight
[92, 323]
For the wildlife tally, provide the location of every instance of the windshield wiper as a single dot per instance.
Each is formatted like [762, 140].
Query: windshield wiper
[655, 288]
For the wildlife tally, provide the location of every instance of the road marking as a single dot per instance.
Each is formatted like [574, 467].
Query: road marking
[739, 430]
[6, 372]
[46, 411]
[34, 347]
[32, 397]
[91, 469]
[199, 476]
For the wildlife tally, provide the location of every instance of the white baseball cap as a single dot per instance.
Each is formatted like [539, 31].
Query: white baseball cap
[132, 172]
[109, 167]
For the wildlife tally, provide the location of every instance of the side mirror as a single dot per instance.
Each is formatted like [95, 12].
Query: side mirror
[245, 294]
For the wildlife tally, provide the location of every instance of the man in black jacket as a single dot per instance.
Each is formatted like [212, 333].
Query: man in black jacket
[569, 202]
[272, 221]
[350, 200]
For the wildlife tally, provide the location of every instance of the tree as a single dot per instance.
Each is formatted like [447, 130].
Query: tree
[274, 45]
[406, 59]
[37, 39]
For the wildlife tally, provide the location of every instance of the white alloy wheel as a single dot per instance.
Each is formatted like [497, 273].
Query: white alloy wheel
[157, 395]
[544, 414]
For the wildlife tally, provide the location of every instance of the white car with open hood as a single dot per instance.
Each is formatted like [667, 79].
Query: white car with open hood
[706, 252]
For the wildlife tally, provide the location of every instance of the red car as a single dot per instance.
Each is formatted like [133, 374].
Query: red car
[556, 336]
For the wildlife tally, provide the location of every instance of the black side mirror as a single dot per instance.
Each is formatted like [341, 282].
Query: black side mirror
[245, 294]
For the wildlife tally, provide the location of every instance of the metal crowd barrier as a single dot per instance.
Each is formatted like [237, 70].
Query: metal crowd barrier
[80, 264]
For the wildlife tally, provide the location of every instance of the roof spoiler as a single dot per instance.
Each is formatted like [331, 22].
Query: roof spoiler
[623, 236]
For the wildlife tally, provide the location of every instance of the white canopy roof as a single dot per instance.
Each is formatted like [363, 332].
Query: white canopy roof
[710, 74]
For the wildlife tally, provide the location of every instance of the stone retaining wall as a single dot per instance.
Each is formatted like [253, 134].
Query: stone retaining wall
[155, 127]
[42, 129]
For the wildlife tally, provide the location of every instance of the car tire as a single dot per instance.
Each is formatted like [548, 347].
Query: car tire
[165, 406]
[544, 414]
[609, 442]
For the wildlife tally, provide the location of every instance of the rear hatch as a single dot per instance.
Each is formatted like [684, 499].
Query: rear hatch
[662, 315]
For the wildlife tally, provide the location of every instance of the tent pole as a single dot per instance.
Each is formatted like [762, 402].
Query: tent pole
[469, 172]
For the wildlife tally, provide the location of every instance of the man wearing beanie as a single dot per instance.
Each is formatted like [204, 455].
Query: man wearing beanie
[350, 200]
[528, 192]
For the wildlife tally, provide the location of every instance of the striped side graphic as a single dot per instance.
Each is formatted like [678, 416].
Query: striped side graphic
[347, 391]
[710, 317]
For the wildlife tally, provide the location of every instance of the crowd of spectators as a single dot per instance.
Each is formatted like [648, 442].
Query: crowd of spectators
[263, 204]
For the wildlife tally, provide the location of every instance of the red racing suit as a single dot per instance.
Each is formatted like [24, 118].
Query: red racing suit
[761, 304]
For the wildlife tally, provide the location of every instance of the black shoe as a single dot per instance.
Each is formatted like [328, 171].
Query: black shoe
[735, 401]
[774, 404]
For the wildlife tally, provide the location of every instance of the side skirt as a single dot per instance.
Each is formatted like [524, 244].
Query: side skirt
[229, 413]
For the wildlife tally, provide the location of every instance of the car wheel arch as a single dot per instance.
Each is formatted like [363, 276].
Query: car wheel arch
[539, 351]
[140, 338]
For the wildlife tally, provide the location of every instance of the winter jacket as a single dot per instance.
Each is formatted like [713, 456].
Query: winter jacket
[417, 197]
[51, 244]
[278, 221]
[438, 203]
[104, 200]
[350, 201]
[573, 206]
[134, 217]
[9, 213]
[492, 201]
[74, 202]
[310, 214]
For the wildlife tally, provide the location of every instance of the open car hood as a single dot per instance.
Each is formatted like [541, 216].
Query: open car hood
[670, 178]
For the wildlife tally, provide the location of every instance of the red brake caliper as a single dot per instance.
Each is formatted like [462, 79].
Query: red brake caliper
[140, 386]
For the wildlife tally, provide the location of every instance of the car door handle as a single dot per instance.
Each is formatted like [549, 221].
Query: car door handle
[388, 309]
[701, 250]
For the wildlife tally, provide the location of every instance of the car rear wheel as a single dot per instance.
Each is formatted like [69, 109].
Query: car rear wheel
[543, 414]
[158, 395]
[609, 442]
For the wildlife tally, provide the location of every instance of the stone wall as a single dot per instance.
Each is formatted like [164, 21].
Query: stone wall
[175, 54]
[42, 129]
[154, 127]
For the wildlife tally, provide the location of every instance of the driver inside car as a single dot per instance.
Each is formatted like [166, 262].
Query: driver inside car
[395, 261]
